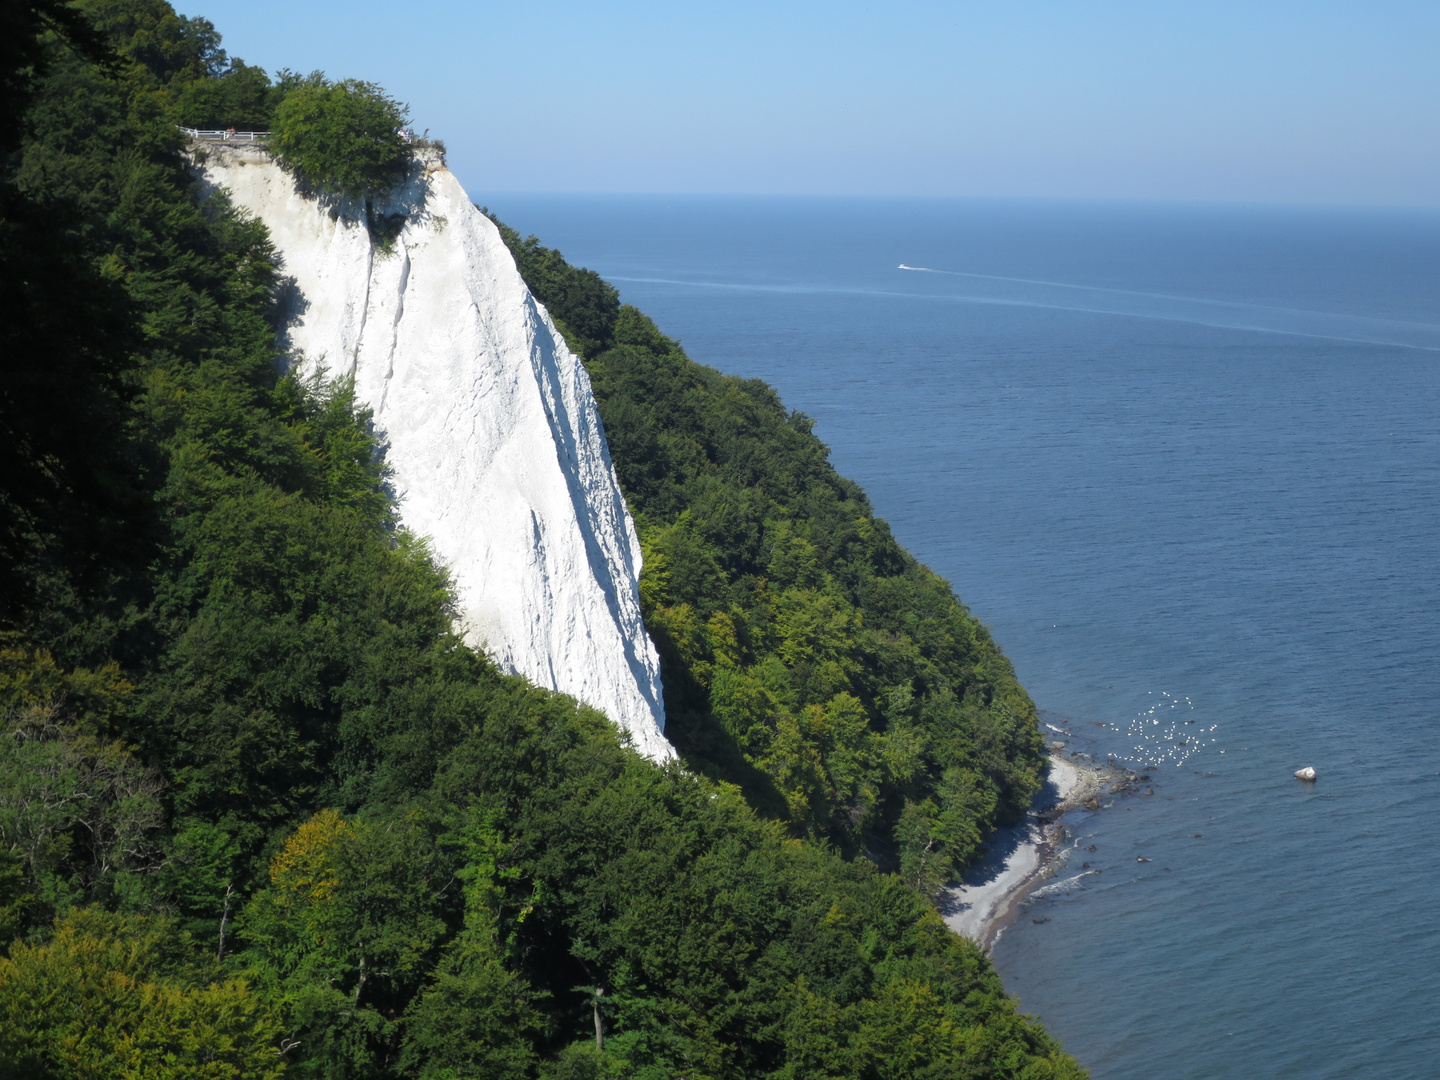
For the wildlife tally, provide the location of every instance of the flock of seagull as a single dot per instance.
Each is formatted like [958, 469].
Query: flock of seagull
[1164, 737]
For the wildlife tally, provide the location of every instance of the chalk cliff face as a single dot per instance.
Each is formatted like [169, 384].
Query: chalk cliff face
[491, 430]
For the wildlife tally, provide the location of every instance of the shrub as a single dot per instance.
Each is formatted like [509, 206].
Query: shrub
[342, 138]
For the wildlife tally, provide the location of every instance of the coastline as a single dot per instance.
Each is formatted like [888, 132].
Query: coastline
[1019, 857]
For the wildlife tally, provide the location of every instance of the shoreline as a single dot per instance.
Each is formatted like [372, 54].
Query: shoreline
[1019, 857]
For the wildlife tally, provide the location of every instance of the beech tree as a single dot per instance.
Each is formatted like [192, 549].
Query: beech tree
[342, 137]
[346, 930]
[112, 997]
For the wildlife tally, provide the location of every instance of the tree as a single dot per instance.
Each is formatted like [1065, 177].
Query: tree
[477, 1018]
[78, 812]
[474, 1020]
[346, 931]
[342, 138]
[110, 998]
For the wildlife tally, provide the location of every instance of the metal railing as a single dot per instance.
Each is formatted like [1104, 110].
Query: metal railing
[226, 136]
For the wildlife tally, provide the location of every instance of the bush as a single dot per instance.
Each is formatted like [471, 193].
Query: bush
[342, 137]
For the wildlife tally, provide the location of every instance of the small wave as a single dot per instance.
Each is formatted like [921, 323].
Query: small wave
[1057, 888]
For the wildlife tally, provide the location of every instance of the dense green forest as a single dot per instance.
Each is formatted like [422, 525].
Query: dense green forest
[263, 813]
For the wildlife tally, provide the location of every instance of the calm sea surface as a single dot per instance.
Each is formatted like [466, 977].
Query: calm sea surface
[1185, 462]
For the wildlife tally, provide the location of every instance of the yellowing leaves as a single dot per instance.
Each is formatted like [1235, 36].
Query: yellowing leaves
[98, 1003]
[306, 866]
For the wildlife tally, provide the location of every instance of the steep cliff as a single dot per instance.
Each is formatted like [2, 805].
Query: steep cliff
[492, 435]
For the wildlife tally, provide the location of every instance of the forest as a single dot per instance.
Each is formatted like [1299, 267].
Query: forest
[262, 811]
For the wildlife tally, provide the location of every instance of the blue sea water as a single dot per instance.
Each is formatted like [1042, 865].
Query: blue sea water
[1185, 462]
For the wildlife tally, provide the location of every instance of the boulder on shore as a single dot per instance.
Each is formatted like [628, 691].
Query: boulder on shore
[1307, 773]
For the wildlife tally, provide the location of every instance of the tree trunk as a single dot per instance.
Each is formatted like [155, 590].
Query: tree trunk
[224, 918]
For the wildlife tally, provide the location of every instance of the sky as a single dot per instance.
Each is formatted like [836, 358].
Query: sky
[1268, 101]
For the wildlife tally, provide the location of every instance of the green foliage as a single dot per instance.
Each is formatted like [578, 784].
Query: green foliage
[77, 811]
[262, 810]
[15, 900]
[113, 998]
[806, 655]
[476, 1019]
[345, 932]
[241, 97]
[169, 48]
[342, 138]
[721, 946]
[68, 486]
[199, 877]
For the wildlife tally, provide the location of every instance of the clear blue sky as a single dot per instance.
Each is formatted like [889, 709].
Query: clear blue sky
[1265, 100]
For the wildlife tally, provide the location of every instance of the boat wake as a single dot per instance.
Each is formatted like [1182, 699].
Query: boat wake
[1200, 310]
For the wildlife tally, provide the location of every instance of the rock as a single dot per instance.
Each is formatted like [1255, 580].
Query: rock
[1307, 773]
[1039, 922]
[493, 437]
[1141, 858]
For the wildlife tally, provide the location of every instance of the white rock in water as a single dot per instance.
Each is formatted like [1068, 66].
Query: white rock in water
[492, 433]
[1306, 773]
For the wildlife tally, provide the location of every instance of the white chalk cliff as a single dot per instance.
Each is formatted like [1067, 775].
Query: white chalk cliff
[493, 438]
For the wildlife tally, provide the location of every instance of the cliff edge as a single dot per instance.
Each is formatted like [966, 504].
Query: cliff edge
[491, 431]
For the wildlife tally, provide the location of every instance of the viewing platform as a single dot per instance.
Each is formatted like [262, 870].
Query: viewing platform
[229, 136]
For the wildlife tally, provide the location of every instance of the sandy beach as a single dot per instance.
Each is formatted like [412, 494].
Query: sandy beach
[1017, 858]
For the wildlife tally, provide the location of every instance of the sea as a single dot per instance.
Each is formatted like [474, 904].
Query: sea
[1184, 460]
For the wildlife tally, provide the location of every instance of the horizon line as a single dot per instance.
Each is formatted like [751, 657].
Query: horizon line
[1112, 200]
